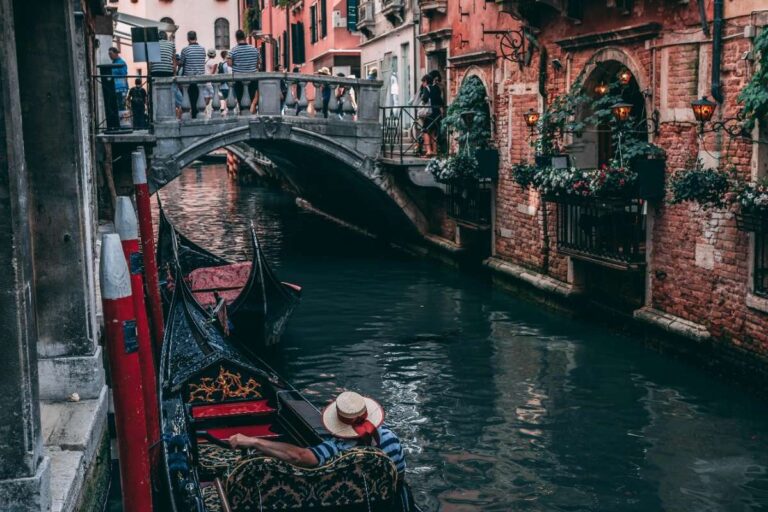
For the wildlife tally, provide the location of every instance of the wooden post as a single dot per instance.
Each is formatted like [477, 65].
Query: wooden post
[139, 166]
[127, 227]
[123, 351]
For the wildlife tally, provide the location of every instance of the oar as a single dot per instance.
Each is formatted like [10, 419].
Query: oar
[218, 442]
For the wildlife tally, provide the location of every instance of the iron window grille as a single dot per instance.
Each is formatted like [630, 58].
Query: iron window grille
[470, 201]
[609, 233]
[760, 272]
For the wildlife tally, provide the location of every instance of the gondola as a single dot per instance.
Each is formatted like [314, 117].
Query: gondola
[248, 301]
[209, 390]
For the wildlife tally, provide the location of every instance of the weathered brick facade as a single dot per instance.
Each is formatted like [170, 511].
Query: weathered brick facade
[696, 279]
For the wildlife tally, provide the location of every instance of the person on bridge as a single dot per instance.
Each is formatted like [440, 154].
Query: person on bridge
[353, 420]
[193, 62]
[244, 58]
[121, 84]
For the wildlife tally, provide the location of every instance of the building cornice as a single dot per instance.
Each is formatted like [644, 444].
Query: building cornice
[622, 35]
[397, 30]
[475, 58]
[436, 40]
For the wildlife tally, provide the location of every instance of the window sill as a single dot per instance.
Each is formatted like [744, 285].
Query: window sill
[757, 303]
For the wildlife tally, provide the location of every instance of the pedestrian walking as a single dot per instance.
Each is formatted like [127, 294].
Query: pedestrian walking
[244, 58]
[299, 92]
[224, 69]
[121, 84]
[437, 105]
[325, 90]
[423, 114]
[193, 64]
[168, 64]
[211, 68]
[137, 98]
[341, 90]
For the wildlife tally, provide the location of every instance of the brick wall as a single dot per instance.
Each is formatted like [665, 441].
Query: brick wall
[699, 264]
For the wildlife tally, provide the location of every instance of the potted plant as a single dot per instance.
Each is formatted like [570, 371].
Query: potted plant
[752, 200]
[706, 187]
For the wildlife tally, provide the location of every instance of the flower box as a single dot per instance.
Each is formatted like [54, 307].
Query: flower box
[752, 222]
[650, 177]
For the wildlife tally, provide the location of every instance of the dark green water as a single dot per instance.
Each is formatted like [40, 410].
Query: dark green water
[501, 405]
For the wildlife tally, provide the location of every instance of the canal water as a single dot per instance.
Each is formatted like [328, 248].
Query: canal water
[501, 405]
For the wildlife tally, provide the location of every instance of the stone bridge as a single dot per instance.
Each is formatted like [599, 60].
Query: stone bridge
[332, 160]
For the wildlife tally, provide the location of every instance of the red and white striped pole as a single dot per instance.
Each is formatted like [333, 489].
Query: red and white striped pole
[127, 227]
[139, 167]
[125, 371]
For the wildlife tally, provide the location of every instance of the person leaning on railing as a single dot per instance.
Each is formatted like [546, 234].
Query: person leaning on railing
[193, 61]
[244, 58]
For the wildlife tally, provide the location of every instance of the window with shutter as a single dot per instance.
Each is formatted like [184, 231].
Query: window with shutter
[221, 34]
[313, 24]
[323, 19]
[286, 57]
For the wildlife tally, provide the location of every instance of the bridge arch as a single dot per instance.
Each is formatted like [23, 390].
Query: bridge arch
[332, 168]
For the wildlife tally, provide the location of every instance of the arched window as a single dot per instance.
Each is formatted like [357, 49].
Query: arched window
[221, 33]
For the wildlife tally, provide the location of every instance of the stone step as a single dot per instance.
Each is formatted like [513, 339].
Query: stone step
[72, 433]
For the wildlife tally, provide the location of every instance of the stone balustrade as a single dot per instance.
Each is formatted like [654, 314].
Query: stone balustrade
[303, 98]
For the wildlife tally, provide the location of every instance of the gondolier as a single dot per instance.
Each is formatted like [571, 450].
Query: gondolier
[353, 420]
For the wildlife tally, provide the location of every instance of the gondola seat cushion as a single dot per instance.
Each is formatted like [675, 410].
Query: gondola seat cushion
[211, 499]
[361, 477]
[217, 461]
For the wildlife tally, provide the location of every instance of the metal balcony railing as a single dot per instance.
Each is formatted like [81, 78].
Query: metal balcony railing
[402, 132]
[470, 202]
[609, 233]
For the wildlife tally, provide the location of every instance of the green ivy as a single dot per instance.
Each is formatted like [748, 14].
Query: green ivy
[472, 97]
[251, 19]
[707, 187]
[754, 97]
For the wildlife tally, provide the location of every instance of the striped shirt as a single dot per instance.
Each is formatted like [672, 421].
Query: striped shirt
[390, 445]
[165, 66]
[193, 60]
[245, 58]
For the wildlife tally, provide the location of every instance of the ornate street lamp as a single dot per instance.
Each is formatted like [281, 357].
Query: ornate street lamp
[531, 119]
[624, 76]
[621, 111]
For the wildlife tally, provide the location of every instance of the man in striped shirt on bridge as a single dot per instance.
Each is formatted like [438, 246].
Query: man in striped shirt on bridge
[353, 420]
[244, 58]
[193, 64]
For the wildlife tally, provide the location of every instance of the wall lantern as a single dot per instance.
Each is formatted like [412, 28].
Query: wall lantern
[531, 118]
[621, 111]
[703, 110]
[625, 76]
[601, 89]
[468, 117]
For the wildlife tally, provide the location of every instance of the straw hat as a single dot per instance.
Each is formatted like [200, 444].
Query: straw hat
[211, 52]
[352, 415]
[324, 71]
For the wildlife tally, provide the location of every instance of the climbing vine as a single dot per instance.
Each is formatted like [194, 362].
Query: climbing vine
[472, 97]
[754, 97]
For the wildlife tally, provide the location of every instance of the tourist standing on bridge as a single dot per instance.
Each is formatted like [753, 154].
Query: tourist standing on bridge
[121, 84]
[224, 69]
[193, 62]
[244, 58]
[167, 65]
[353, 420]
[325, 90]
[137, 97]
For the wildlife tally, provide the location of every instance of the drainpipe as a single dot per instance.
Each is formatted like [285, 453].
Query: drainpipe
[703, 18]
[717, 50]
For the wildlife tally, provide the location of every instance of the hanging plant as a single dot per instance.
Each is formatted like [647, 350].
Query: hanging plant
[754, 96]
[473, 98]
[524, 174]
[706, 187]
[752, 198]
[460, 167]
[613, 180]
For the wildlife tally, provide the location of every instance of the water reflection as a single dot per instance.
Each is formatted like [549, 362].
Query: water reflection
[501, 406]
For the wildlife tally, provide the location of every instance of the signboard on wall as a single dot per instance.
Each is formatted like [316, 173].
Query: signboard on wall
[352, 15]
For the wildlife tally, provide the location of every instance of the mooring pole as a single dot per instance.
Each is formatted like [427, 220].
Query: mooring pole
[125, 371]
[139, 167]
[127, 227]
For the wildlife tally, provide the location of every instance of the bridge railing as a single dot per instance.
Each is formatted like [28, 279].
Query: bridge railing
[403, 130]
[232, 96]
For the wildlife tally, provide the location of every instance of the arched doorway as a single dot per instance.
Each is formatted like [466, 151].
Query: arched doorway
[471, 198]
[606, 235]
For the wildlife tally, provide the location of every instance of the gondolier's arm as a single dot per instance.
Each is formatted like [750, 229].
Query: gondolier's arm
[286, 452]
